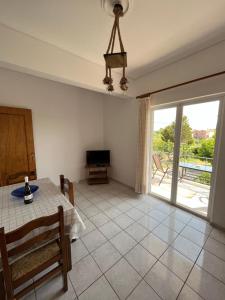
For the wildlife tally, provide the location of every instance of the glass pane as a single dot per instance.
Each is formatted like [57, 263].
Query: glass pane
[196, 155]
[162, 157]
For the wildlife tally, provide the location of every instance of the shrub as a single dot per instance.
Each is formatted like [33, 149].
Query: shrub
[204, 178]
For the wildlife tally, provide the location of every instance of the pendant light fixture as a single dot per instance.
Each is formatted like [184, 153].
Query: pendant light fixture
[114, 60]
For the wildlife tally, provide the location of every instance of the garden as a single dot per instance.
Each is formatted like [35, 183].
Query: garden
[197, 147]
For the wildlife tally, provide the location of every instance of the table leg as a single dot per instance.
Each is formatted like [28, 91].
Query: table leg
[2, 287]
[182, 173]
[68, 252]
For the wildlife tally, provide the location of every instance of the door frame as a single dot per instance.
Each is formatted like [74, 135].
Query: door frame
[176, 153]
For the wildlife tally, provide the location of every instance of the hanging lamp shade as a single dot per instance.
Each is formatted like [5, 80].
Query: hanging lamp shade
[114, 60]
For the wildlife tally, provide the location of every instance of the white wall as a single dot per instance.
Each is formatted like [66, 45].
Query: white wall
[66, 121]
[206, 62]
[218, 203]
[120, 136]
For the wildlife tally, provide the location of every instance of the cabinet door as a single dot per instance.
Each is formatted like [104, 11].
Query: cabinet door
[17, 156]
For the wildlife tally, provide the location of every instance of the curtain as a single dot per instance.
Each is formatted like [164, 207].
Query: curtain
[142, 172]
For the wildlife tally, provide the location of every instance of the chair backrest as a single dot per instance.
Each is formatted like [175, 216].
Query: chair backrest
[19, 177]
[157, 162]
[55, 233]
[66, 186]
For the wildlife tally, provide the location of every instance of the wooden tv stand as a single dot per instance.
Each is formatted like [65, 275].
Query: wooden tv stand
[97, 174]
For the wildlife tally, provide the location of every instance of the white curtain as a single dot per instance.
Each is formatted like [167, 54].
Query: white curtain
[142, 172]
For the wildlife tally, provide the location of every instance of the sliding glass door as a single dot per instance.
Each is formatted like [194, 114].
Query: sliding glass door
[197, 145]
[183, 146]
[163, 138]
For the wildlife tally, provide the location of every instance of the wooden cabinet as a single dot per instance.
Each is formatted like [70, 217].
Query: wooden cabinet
[17, 155]
[97, 174]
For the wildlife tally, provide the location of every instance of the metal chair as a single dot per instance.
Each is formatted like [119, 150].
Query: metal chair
[159, 167]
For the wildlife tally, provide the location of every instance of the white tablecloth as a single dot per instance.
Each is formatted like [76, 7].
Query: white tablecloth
[14, 213]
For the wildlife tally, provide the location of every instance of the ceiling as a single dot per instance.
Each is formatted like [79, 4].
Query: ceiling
[155, 33]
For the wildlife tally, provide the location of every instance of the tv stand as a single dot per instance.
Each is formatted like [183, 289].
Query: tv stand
[97, 174]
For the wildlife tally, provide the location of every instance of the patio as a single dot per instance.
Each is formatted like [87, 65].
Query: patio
[190, 194]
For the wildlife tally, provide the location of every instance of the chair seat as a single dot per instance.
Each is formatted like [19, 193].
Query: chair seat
[33, 260]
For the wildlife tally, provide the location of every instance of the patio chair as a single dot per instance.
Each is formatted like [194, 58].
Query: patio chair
[159, 167]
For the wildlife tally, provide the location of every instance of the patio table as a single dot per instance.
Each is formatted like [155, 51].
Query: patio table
[191, 166]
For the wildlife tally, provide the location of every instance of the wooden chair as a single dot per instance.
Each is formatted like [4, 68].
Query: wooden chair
[38, 253]
[159, 167]
[67, 187]
[19, 177]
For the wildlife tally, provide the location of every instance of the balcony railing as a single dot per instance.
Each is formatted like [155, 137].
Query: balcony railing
[195, 174]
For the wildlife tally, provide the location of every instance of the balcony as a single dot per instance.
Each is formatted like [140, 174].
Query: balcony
[194, 178]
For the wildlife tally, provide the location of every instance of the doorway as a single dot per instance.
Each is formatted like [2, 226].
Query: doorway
[182, 155]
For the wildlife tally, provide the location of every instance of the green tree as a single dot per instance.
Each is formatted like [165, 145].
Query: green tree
[161, 146]
[168, 132]
[206, 148]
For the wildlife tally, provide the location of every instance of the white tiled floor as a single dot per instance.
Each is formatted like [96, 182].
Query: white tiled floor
[138, 247]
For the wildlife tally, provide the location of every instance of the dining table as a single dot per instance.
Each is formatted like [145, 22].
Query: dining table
[14, 213]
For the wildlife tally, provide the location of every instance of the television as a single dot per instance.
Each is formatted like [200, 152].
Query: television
[98, 157]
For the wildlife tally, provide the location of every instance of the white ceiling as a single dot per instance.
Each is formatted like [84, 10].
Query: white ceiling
[155, 33]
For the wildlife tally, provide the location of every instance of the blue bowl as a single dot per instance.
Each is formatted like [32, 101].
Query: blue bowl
[19, 193]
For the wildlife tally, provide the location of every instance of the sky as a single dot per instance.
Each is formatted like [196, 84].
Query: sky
[201, 116]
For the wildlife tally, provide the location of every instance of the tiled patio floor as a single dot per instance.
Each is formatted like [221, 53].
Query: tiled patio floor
[140, 248]
[190, 194]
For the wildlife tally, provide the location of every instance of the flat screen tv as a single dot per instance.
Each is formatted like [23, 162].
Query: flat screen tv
[98, 157]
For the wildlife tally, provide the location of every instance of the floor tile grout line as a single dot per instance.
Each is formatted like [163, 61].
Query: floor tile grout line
[122, 212]
[150, 231]
[157, 259]
[73, 287]
[123, 256]
[195, 263]
[89, 254]
[187, 238]
[214, 254]
[201, 220]
[125, 212]
[136, 221]
[223, 243]
[210, 273]
[111, 285]
[122, 230]
[147, 284]
[142, 277]
[201, 247]
[103, 273]
[103, 198]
